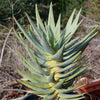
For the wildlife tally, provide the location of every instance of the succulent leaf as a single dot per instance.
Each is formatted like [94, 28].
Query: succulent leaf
[51, 21]
[46, 45]
[69, 61]
[51, 36]
[50, 96]
[57, 29]
[58, 56]
[39, 21]
[70, 96]
[70, 21]
[34, 27]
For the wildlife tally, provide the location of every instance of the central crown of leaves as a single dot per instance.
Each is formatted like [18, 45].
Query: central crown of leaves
[54, 57]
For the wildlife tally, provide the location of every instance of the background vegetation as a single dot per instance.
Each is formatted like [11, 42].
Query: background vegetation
[10, 8]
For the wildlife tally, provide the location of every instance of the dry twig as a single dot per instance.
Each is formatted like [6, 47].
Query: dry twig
[1, 57]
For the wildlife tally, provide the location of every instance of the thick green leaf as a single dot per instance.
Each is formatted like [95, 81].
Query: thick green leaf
[70, 55]
[50, 96]
[58, 44]
[32, 41]
[59, 55]
[32, 34]
[51, 78]
[38, 19]
[43, 92]
[79, 46]
[71, 43]
[32, 69]
[69, 23]
[89, 35]
[69, 90]
[51, 36]
[46, 45]
[71, 71]
[28, 64]
[65, 63]
[57, 29]
[41, 69]
[59, 84]
[71, 96]
[76, 74]
[79, 98]
[20, 38]
[32, 77]
[69, 36]
[86, 38]
[39, 85]
[38, 91]
[72, 24]
[51, 21]
[69, 66]
[34, 27]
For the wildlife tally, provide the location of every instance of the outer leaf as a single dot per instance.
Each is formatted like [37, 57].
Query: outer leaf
[43, 92]
[69, 66]
[20, 38]
[31, 32]
[70, 21]
[69, 36]
[32, 77]
[29, 65]
[84, 39]
[70, 72]
[76, 74]
[34, 27]
[39, 91]
[39, 85]
[71, 96]
[32, 69]
[51, 21]
[68, 61]
[69, 90]
[39, 21]
[70, 55]
[50, 96]
[36, 44]
[71, 43]
[72, 99]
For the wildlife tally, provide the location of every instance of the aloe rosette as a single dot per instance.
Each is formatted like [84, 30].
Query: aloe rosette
[55, 58]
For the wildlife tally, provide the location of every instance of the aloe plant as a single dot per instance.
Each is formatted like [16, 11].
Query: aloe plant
[55, 58]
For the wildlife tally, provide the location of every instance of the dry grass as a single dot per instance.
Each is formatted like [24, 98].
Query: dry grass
[11, 59]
